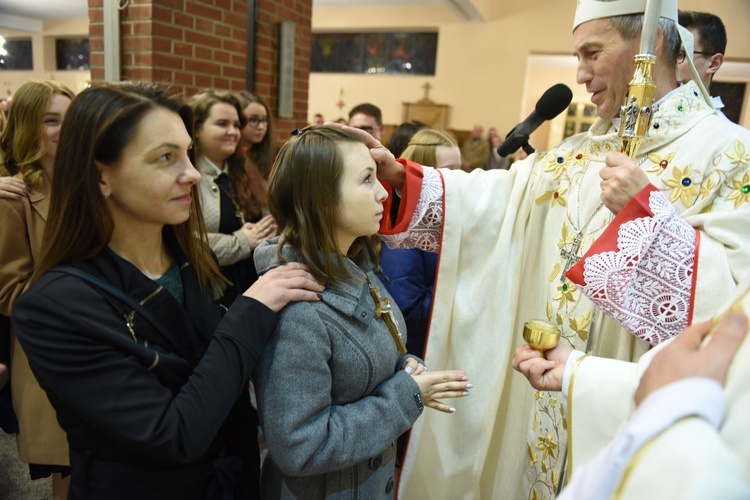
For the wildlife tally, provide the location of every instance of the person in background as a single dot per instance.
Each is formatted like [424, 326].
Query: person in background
[367, 117]
[318, 119]
[28, 147]
[709, 45]
[341, 357]
[494, 160]
[232, 190]
[401, 136]
[475, 150]
[257, 134]
[121, 324]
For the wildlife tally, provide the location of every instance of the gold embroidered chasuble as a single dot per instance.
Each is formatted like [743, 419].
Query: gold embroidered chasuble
[501, 265]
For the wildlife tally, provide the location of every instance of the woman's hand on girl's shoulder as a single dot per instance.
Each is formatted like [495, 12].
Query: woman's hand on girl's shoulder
[287, 283]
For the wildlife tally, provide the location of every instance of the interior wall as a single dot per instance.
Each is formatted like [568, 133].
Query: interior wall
[43, 50]
[482, 68]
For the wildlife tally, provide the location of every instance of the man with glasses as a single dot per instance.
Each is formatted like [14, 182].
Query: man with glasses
[367, 117]
[709, 44]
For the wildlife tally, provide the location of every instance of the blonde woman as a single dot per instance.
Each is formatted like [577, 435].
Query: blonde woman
[28, 146]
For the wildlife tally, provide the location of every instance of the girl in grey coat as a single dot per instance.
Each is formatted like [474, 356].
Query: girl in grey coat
[334, 390]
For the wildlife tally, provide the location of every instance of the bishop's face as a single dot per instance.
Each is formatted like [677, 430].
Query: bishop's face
[605, 64]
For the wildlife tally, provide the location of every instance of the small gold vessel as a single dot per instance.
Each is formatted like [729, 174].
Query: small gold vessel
[541, 335]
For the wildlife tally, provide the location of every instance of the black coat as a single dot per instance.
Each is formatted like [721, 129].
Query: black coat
[148, 413]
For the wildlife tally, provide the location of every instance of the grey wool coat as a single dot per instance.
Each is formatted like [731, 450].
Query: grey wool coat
[332, 398]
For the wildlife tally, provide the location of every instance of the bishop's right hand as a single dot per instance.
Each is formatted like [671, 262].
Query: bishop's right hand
[544, 372]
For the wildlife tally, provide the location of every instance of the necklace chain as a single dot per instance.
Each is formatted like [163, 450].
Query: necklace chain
[237, 210]
[571, 256]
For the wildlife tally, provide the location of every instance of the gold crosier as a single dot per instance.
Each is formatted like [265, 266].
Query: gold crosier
[636, 113]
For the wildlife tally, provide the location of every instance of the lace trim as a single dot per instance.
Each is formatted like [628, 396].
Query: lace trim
[646, 285]
[424, 229]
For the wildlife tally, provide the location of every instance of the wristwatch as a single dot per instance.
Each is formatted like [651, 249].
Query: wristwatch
[418, 400]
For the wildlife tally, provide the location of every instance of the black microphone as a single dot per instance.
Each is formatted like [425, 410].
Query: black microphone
[553, 102]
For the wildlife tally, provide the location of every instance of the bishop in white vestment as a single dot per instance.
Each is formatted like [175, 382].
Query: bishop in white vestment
[505, 239]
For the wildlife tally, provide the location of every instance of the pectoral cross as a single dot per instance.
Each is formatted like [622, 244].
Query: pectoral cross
[570, 256]
[383, 310]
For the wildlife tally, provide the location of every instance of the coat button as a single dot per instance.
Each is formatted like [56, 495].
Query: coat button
[376, 462]
[389, 486]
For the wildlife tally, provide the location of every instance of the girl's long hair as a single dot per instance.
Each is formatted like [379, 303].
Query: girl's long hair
[304, 197]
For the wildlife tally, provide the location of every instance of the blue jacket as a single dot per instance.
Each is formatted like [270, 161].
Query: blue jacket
[409, 276]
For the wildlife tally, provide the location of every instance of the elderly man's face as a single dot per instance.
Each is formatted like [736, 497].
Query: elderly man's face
[605, 64]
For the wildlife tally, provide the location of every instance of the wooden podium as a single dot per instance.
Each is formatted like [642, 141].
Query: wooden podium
[426, 111]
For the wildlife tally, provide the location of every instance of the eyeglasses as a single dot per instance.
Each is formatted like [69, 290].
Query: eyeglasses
[681, 55]
[254, 121]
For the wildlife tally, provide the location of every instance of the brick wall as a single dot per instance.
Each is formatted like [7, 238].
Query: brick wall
[197, 44]
[270, 14]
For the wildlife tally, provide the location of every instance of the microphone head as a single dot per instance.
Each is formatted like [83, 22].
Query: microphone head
[554, 101]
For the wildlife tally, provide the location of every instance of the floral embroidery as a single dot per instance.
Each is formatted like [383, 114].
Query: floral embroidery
[739, 156]
[556, 195]
[582, 157]
[565, 293]
[558, 163]
[741, 193]
[547, 443]
[549, 428]
[580, 325]
[707, 187]
[566, 237]
[660, 162]
[683, 188]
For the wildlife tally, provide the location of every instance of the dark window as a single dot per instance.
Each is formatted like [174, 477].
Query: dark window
[392, 53]
[72, 53]
[733, 95]
[18, 55]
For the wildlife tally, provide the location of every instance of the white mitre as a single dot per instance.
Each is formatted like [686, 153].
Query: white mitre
[588, 10]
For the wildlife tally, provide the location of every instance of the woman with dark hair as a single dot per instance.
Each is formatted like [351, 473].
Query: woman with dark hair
[232, 189]
[257, 134]
[28, 146]
[401, 136]
[121, 326]
[335, 388]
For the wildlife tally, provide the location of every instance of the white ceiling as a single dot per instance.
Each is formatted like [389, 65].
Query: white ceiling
[76, 9]
[46, 9]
